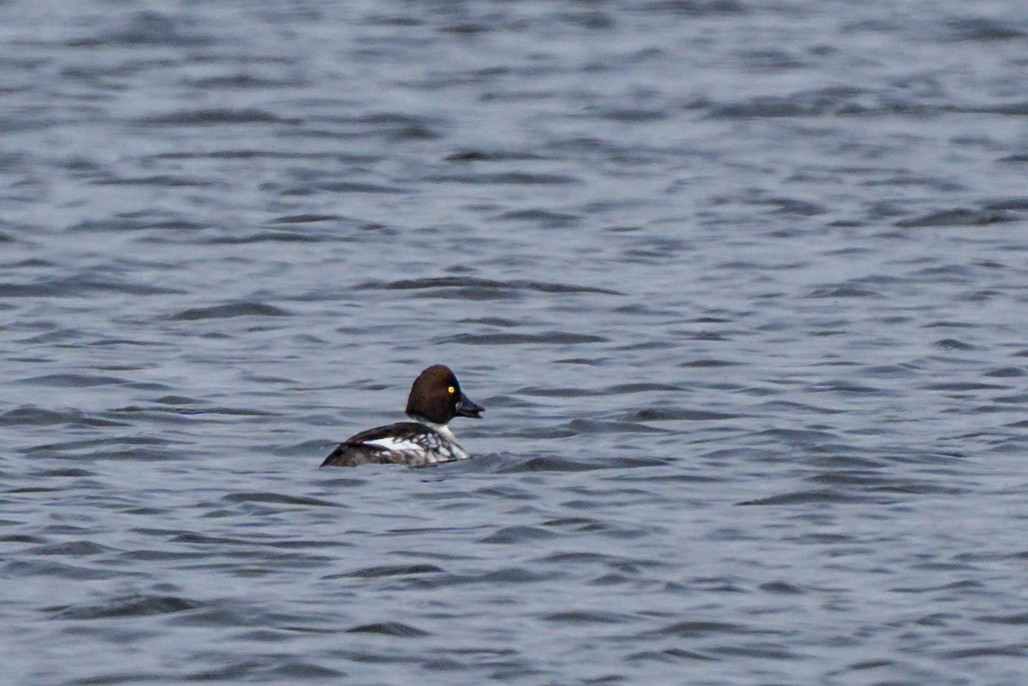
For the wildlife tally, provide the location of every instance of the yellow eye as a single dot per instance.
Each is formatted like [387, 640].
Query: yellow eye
[452, 390]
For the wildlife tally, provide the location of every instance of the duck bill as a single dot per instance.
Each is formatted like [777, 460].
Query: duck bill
[468, 408]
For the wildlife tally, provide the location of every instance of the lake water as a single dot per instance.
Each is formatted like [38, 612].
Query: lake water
[743, 285]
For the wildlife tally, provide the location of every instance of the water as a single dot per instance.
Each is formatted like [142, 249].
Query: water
[741, 284]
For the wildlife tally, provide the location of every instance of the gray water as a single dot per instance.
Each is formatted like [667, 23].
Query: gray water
[743, 285]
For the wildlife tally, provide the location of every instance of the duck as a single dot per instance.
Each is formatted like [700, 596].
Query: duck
[435, 398]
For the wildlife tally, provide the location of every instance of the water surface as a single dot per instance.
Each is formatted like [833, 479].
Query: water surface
[741, 284]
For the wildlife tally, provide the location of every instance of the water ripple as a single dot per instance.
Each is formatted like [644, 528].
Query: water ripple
[752, 342]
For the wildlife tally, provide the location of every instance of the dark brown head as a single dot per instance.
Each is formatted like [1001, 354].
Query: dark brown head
[436, 397]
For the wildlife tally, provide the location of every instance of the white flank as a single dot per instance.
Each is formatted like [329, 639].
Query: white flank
[392, 443]
[426, 448]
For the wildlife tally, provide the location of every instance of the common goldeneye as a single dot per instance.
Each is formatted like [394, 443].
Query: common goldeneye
[435, 399]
